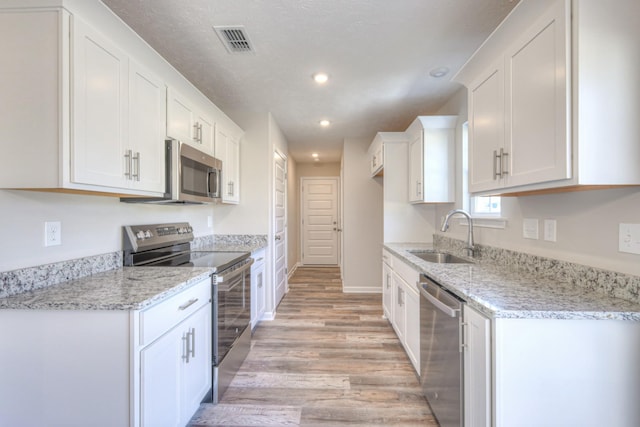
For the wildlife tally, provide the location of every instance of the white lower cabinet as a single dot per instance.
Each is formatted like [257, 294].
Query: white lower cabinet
[258, 287]
[387, 303]
[403, 309]
[175, 372]
[477, 369]
[107, 368]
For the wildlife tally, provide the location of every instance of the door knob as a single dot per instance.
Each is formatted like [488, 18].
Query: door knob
[277, 237]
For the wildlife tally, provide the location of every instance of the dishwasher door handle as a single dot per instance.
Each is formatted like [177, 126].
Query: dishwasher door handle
[449, 311]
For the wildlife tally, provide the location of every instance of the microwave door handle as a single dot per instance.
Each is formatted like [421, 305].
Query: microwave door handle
[210, 171]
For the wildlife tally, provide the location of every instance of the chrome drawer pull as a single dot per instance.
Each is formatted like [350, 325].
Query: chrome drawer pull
[188, 304]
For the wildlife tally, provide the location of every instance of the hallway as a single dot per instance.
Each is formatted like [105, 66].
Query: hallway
[327, 359]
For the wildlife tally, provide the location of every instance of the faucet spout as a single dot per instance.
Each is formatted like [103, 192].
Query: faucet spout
[445, 226]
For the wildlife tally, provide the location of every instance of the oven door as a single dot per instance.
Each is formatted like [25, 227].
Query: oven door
[232, 308]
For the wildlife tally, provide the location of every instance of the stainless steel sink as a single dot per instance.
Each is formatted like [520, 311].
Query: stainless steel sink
[439, 257]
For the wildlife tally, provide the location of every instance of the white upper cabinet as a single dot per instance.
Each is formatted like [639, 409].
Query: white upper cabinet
[100, 76]
[227, 149]
[147, 124]
[89, 103]
[376, 155]
[188, 123]
[431, 159]
[541, 114]
[486, 129]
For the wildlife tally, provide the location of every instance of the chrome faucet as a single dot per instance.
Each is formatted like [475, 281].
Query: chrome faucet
[445, 226]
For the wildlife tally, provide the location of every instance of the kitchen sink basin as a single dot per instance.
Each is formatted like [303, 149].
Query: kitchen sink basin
[439, 257]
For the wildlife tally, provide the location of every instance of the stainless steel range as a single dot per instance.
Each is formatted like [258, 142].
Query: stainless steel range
[169, 245]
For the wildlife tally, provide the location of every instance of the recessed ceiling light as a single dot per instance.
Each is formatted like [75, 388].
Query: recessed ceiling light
[324, 123]
[314, 155]
[321, 78]
[439, 72]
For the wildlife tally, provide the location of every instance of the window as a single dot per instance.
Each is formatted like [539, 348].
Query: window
[489, 206]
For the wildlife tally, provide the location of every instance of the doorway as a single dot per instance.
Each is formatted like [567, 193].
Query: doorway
[279, 227]
[320, 222]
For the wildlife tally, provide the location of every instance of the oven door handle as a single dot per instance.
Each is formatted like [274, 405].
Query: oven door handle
[232, 275]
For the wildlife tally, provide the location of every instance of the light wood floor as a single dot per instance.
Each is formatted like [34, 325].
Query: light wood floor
[327, 359]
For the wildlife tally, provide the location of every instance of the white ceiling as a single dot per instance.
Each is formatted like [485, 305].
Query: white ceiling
[378, 54]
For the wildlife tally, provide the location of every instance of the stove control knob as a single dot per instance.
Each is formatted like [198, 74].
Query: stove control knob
[147, 234]
[140, 235]
[189, 229]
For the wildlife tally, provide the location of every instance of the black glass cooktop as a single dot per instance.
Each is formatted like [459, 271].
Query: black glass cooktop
[217, 260]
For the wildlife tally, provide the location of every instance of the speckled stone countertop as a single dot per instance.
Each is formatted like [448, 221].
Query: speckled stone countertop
[504, 293]
[128, 288]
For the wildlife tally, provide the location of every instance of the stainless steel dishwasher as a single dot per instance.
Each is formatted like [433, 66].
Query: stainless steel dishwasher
[441, 352]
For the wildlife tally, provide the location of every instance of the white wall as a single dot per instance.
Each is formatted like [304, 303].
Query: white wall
[362, 221]
[251, 216]
[403, 221]
[91, 225]
[587, 221]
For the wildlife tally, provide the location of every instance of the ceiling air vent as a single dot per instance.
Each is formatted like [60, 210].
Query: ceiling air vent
[235, 39]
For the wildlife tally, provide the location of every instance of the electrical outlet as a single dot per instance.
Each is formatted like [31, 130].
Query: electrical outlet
[52, 233]
[629, 238]
[550, 230]
[530, 228]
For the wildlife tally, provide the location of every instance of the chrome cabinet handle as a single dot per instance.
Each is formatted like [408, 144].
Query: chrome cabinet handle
[196, 132]
[185, 347]
[200, 132]
[400, 297]
[188, 304]
[230, 189]
[193, 342]
[418, 188]
[127, 156]
[136, 160]
[504, 169]
[277, 237]
[497, 158]
[388, 280]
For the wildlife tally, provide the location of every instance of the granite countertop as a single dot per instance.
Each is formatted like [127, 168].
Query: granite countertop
[499, 292]
[128, 288]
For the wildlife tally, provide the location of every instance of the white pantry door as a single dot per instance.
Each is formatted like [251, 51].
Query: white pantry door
[319, 221]
[280, 227]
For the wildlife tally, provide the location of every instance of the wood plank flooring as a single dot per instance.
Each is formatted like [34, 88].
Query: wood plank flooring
[328, 359]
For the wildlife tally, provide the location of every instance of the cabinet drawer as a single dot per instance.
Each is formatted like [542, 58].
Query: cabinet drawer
[408, 274]
[387, 258]
[158, 319]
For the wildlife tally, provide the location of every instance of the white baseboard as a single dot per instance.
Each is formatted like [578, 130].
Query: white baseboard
[293, 270]
[268, 315]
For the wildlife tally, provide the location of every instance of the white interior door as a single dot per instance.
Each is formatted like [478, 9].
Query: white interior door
[279, 227]
[319, 221]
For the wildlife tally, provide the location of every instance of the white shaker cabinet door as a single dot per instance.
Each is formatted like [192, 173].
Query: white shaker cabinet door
[180, 117]
[387, 303]
[147, 127]
[415, 168]
[537, 78]
[486, 129]
[161, 380]
[477, 369]
[197, 371]
[99, 109]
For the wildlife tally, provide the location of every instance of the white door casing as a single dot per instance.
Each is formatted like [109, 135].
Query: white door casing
[320, 222]
[279, 253]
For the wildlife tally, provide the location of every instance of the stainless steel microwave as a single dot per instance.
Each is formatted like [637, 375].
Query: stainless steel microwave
[191, 176]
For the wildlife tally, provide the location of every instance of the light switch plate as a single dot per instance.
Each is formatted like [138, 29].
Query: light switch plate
[530, 228]
[550, 230]
[629, 238]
